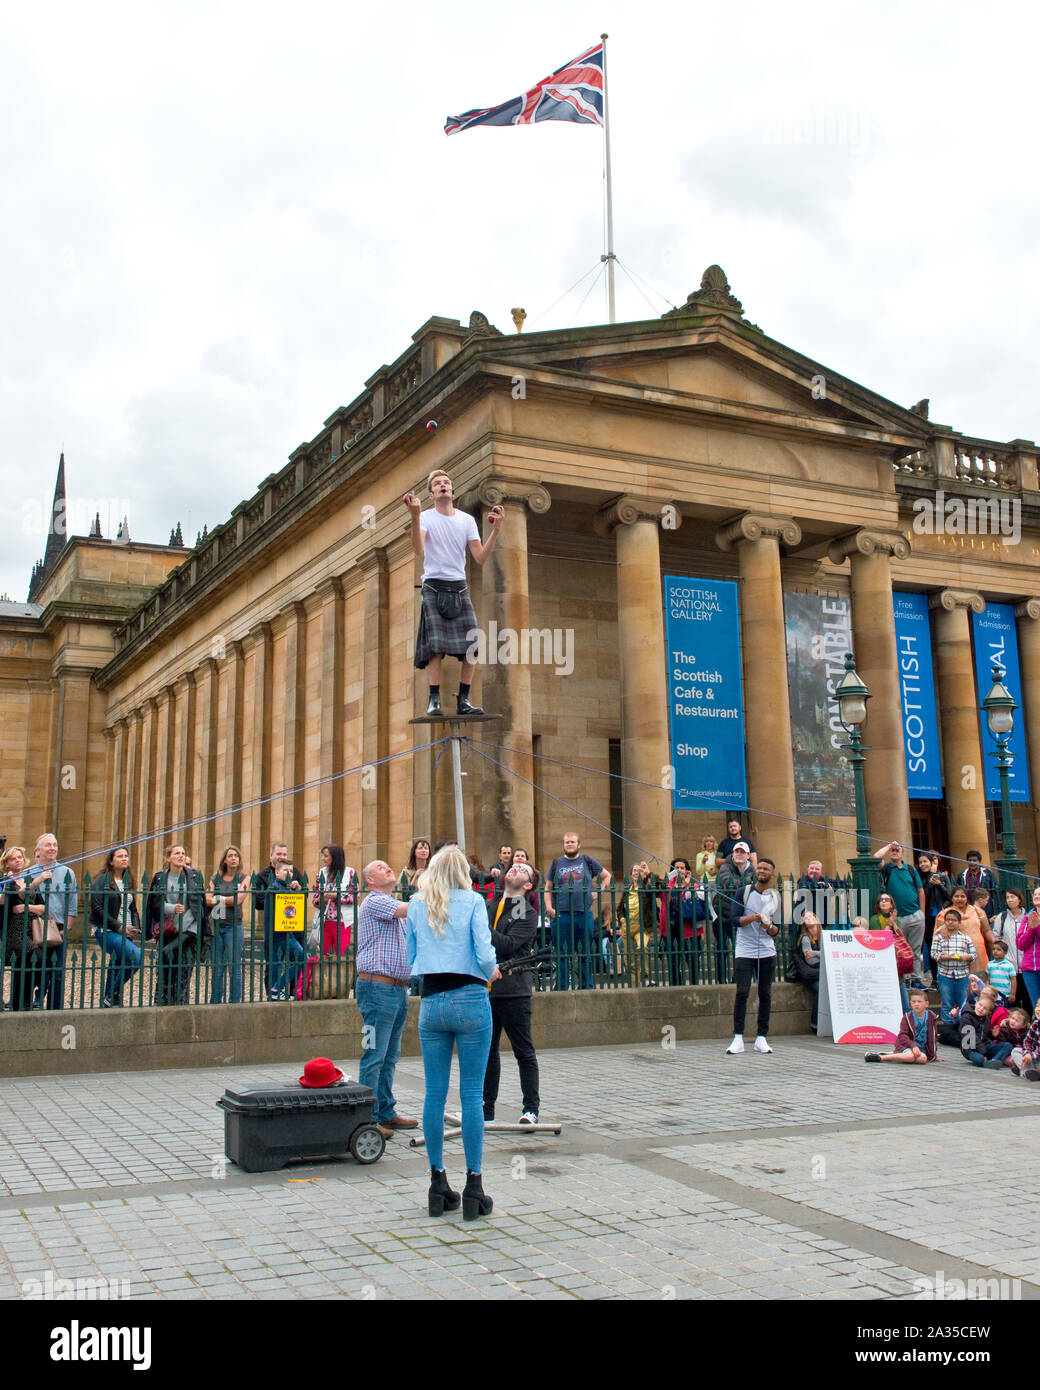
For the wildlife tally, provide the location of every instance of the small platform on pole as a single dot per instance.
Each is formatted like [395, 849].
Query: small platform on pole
[455, 723]
[454, 718]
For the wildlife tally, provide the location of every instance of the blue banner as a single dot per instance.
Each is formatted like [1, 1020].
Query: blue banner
[996, 639]
[917, 696]
[705, 700]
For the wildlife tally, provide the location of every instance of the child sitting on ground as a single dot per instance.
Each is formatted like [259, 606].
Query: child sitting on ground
[1012, 1029]
[917, 1034]
[978, 1045]
[1000, 972]
[1025, 1060]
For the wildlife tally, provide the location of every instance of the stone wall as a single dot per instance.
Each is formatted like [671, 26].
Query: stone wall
[86, 1041]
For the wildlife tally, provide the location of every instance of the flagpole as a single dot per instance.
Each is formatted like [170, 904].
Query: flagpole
[609, 256]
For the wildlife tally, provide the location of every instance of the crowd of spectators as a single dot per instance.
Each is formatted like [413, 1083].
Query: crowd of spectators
[675, 925]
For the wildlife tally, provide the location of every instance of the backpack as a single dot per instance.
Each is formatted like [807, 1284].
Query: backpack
[915, 877]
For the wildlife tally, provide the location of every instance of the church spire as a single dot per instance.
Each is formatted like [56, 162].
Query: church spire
[57, 530]
[57, 533]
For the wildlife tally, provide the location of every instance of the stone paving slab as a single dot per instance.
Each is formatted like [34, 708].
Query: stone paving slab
[681, 1173]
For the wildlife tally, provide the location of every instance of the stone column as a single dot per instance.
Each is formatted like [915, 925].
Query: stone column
[874, 647]
[229, 750]
[1028, 615]
[108, 811]
[133, 780]
[375, 708]
[258, 815]
[645, 744]
[184, 800]
[330, 759]
[964, 777]
[118, 821]
[165, 757]
[767, 705]
[289, 812]
[146, 818]
[506, 685]
[202, 836]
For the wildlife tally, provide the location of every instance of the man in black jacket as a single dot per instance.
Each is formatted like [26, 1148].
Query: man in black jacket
[514, 926]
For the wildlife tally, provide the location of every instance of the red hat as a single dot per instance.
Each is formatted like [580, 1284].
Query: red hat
[320, 1071]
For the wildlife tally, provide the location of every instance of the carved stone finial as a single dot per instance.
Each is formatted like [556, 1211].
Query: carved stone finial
[481, 327]
[714, 293]
[921, 408]
[518, 316]
[95, 528]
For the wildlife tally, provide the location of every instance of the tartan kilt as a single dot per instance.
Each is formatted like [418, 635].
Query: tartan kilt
[439, 636]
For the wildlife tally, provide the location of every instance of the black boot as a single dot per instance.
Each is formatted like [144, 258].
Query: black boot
[466, 708]
[434, 707]
[474, 1202]
[441, 1198]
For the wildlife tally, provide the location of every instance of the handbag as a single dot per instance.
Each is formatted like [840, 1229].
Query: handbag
[904, 956]
[51, 937]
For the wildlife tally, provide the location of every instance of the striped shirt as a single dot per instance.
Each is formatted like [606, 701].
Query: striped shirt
[955, 944]
[381, 945]
[1000, 974]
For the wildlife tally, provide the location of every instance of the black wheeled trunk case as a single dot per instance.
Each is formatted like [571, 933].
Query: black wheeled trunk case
[267, 1126]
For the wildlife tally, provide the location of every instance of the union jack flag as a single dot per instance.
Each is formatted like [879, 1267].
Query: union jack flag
[571, 93]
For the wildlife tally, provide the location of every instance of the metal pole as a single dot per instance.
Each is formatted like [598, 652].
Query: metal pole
[456, 776]
[1011, 867]
[609, 257]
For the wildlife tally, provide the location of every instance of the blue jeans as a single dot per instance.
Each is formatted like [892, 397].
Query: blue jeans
[995, 1052]
[904, 994]
[284, 956]
[460, 1016]
[124, 957]
[52, 977]
[383, 1010]
[572, 933]
[951, 992]
[1031, 980]
[228, 947]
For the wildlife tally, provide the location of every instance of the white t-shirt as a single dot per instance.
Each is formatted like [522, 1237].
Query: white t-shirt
[444, 546]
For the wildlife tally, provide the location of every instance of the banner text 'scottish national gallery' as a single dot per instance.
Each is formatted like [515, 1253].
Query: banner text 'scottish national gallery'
[700, 522]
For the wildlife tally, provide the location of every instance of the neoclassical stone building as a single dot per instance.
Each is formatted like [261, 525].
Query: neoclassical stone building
[151, 691]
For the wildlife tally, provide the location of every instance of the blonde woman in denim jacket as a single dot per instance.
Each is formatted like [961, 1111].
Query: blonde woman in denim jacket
[448, 942]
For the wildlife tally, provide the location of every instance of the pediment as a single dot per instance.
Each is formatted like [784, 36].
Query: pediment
[717, 357]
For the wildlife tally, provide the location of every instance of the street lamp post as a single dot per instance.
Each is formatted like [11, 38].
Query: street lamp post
[851, 696]
[999, 708]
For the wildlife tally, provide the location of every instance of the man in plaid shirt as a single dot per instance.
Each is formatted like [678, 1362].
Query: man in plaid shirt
[382, 993]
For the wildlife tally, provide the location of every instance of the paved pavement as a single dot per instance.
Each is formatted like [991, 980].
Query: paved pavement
[680, 1173]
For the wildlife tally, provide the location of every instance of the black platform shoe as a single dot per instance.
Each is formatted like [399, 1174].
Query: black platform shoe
[474, 1201]
[466, 708]
[434, 707]
[441, 1198]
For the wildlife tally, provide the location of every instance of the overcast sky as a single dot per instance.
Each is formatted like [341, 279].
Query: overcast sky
[220, 218]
